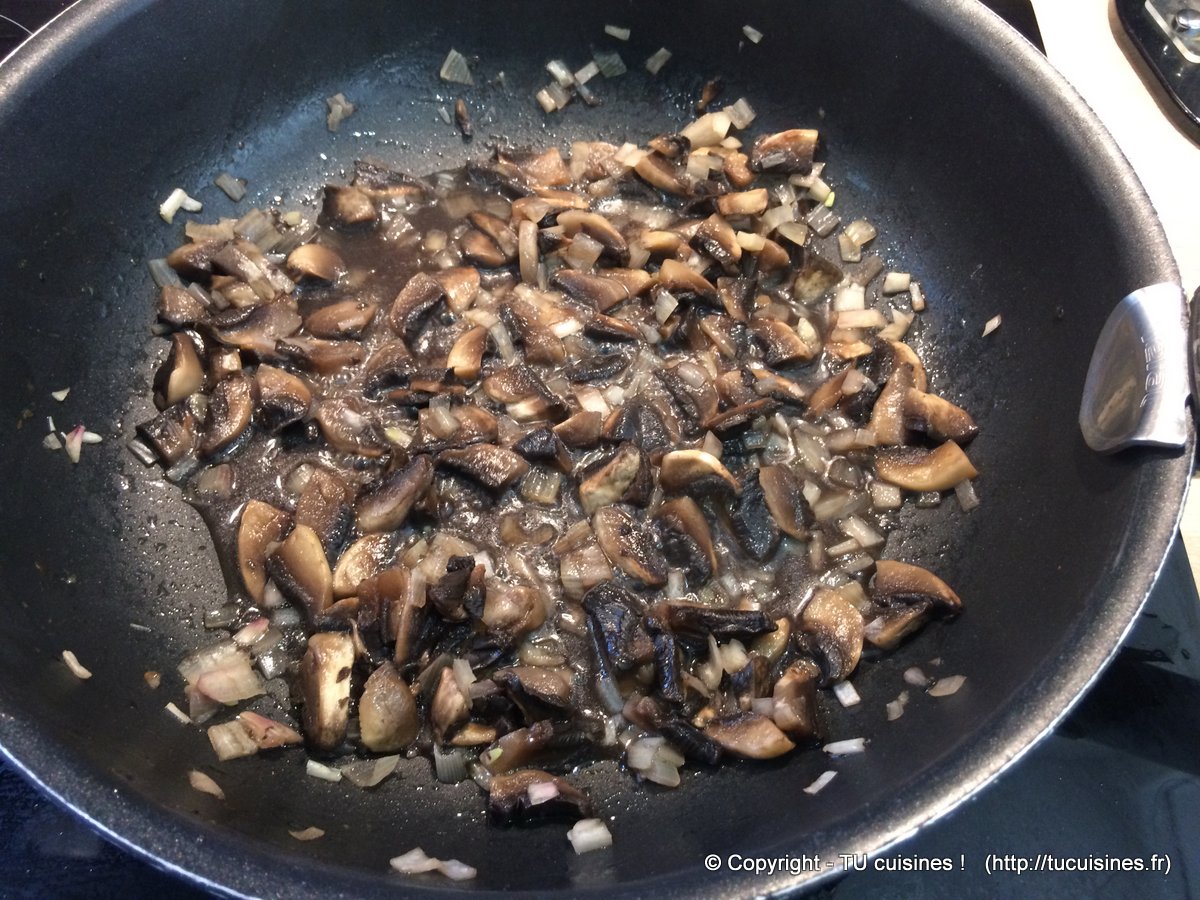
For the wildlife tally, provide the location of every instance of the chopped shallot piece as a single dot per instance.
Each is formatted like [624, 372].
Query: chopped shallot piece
[75, 666]
[944, 687]
[178, 200]
[417, 860]
[822, 780]
[915, 677]
[205, 785]
[74, 443]
[752, 33]
[60, 396]
[179, 714]
[308, 834]
[991, 325]
[589, 834]
[847, 747]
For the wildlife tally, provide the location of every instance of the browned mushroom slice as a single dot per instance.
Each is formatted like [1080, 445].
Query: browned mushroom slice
[609, 483]
[377, 180]
[473, 734]
[347, 427]
[230, 409]
[260, 526]
[461, 285]
[510, 611]
[795, 700]
[905, 354]
[828, 394]
[663, 174]
[180, 375]
[481, 250]
[582, 568]
[887, 416]
[737, 297]
[782, 345]
[785, 151]
[324, 507]
[363, 559]
[743, 203]
[751, 521]
[400, 602]
[223, 362]
[580, 430]
[324, 680]
[687, 540]
[695, 472]
[939, 418]
[257, 330]
[737, 170]
[629, 546]
[784, 496]
[179, 307]
[300, 571]
[492, 466]
[414, 305]
[546, 685]
[283, 398]
[171, 434]
[833, 630]
[389, 366]
[776, 387]
[598, 228]
[661, 243]
[596, 290]
[540, 343]
[498, 230]
[815, 278]
[716, 237]
[475, 424]
[466, 356]
[387, 712]
[918, 469]
[524, 394]
[772, 258]
[636, 281]
[683, 281]
[319, 355]
[193, 261]
[246, 262]
[903, 584]
[749, 735]
[385, 506]
[639, 422]
[449, 707]
[315, 261]
[347, 207]
[696, 621]
[605, 328]
[543, 445]
[345, 319]
[891, 626]
[691, 387]
[534, 795]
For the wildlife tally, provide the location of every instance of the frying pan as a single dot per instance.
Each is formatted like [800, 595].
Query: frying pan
[986, 175]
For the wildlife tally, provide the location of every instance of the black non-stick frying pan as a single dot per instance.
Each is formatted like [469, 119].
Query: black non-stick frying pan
[986, 175]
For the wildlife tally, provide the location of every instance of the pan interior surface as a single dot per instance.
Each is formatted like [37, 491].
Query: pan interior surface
[985, 176]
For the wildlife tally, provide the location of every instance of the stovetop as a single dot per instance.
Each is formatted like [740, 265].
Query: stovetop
[1114, 788]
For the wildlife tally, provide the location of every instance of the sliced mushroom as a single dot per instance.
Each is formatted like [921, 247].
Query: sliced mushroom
[785, 151]
[604, 328]
[524, 394]
[461, 285]
[683, 281]
[180, 375]
[260, 526]
[481, 250]
[582, 569]
[315, 261]
[598, 228]
[459, 591]
[534, 795]
[609, 483]
[662, 173]
[324, 681]
[223, 362]
[751, 521]
[387, 505]
[918, 469]
[902, 353]
[616, 623]
[259, 329]
[230, 410]
[687, 540]
[639, 423]
[833, 629]
[716, 237]
[891, 626]
[379, 181]
[540, 343]
[319, 355]
[533, 687]
[692, 620]
[466, 356]
[414, 305]
[749, 735]
[828, 394]
[783, 493]
[691, 387]
[300, 571]
[363, 559]
[580, 430]
[171, 434]
[887, 416]
[939, 418]
[347, 207]
[795, 701]
[344, 319]
[596, 290]
[387, 712]
[492, 466]
[903, 584]
[347, 427]
[510, 611]
[782, 345]
[629, 545]
[743, 203]
[543, 445]
[179, 307]
[449, 707]
[737, 170]
[283, 398]
[696, 473]
[498, 230]
[324, 507]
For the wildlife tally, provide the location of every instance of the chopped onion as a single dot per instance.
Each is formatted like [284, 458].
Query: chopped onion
[587, 73]
[587, 835]
[818, 189]
[230, 741]
[752, 33]
[74, 443]
[849, 296]
[52, 442]
[541, 792]
[734, 656]
[463, 676]
[740, 113]
[252, 632]
[867, 536]
[162, 274]
[861, 318]
[885, 496]
[796, 232]
[708, 130]
[456, 871]
[308, 834]
[339, 108]
[861, 232]
[823, 220]
[503, 341]
[776, 216]
[847, 747]
[676, 585]
[610, 64]
[965, 492]
[915, 677]
[822, 780]
[895, 331]
[416, 861]
[918, 296]
[621, 34]
[60, 396]
[846, 694]
[177, 200]
[896, 282]
[234, 188]
[848, 250]
[367, 773]
[90, 437]
[322, 771]
[205, 785]
[752, 242]
[75, 666]
[560, 72]
[657, 60]
[582, 252]
[895, 709]
[179, 714]
[665, 303]
[455, 69]
[450, 765]
[944, 687]
[991, 325]
[701, 165]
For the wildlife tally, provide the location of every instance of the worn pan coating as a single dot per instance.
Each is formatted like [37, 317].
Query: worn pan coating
[985, 173]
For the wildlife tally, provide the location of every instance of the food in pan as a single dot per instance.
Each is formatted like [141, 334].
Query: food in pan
[560, 456]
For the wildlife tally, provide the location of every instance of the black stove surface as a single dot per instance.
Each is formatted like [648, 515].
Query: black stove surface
[1113, 789]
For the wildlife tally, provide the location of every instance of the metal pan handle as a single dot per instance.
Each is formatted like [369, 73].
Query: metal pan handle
[1138, 382]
